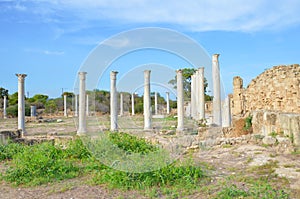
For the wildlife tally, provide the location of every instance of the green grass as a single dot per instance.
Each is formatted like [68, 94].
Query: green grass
[46, 163]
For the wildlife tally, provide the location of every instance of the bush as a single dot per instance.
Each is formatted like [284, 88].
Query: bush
[12, 111]
[38, 164]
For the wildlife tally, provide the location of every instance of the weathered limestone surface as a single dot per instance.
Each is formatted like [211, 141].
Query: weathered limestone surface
[276, 89]
[285, 124]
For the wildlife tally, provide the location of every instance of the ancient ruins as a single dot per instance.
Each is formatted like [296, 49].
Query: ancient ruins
[270, 104]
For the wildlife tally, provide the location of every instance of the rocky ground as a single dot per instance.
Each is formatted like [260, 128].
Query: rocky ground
[226, 164]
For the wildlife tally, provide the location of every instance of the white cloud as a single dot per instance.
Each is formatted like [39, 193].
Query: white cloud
[228, 15]
[45, 52]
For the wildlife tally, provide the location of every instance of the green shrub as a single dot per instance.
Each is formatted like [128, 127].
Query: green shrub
[7, 151]
[38, 164]
[248, 123]
[184, 175]
[131, 144]
[12, 111]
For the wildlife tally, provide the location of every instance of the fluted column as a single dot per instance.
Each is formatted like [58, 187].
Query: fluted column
[113, 101]
[21, 103]
[180, 102]
[217, 115]
[147, 101]
[82, 104]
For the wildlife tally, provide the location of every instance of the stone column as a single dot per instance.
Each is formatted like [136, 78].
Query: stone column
[193, 96]
[33, 111]
[168, 102]
[76, 106]
[197, 95]
[4, 107]
[217, 115]
[180, 101]
[65, 106]
[21, 104]
[132, 103]
[82, 114]
[201, 105]
[113, 102]
[147, 101]
[121, 105]
[155, 103]
[87, 105]
[226, 116]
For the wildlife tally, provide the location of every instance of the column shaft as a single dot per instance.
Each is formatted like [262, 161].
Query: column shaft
[180, 102]
[168, 102]
[113, 102]
[82, 104]
[201, 94]
[121, 105]
[87, 105]
[4, 107]
[21, 103]
[65, 106]
[155, 103]
[132, 103]
[147, 101]
[217, 115]
[76, 106]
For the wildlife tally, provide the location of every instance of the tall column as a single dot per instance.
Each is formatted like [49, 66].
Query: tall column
[193, 97]
[168, 102]
[217, 115]
[113, 102]
[65, 106]
[121, 105]
[4, 107]
[226, 116]
[197, 95]
[132, 103]
[87, 105]
[147, 101]
[21, 103]
[76, 106]
[155, 103]
[180, 101]
[82, 114]
[201, 105]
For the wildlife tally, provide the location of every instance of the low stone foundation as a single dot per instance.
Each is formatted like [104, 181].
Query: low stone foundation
[276, 124]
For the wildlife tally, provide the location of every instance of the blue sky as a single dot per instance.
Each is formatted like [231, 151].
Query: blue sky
[50, 39]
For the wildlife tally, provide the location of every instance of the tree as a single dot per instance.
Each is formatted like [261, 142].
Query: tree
[187, 77]
[39, 100]
[3, 92]
[13, 99]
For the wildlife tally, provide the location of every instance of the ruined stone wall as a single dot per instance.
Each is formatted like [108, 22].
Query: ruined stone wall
[276, 89]
[276, 123]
